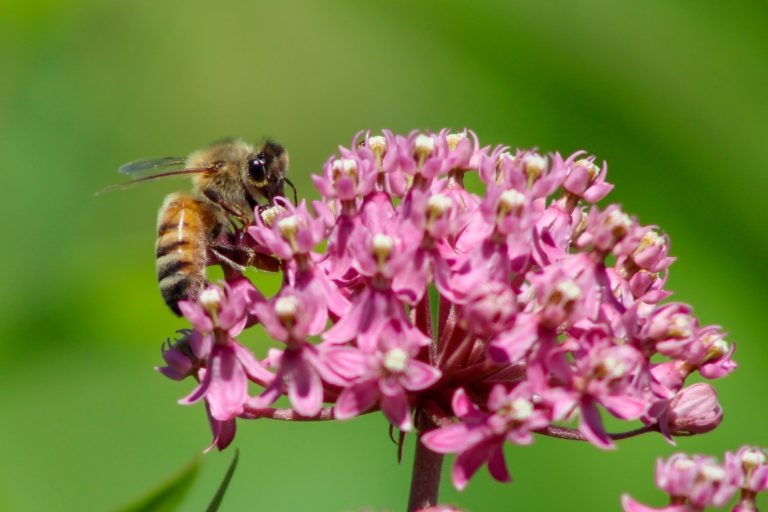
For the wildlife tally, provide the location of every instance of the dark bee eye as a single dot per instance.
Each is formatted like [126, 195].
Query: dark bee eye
[257, 169]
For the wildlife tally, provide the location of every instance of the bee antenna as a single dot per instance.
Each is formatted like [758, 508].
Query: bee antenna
[295, 197]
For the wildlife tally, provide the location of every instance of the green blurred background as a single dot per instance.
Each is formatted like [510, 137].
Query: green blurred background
[672, 94]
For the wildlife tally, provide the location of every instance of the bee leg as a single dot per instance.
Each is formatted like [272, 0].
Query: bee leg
[230, 208]
[239, 257]
[222, 258]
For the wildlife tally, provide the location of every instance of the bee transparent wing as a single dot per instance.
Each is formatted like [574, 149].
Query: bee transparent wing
[151, 169]
[149, 166]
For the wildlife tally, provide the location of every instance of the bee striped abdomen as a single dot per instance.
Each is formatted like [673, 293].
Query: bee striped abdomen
[183, 227]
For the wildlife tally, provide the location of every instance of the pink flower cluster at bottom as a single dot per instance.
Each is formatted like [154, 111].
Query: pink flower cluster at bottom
[490, 316]
[695, 483]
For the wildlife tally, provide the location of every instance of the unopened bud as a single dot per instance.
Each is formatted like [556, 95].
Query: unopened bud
[694, 410]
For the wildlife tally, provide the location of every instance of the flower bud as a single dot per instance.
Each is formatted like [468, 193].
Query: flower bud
[695, 410]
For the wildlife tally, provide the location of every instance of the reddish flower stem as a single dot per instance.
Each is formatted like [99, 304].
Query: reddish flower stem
[427, 467]
[253, 413]
[571, 434]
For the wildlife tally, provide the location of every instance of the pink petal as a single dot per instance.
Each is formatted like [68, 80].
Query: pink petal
[347, 362]
[497, 466]
[199, 391]
[196, 315]
[591, 426]
[251, 365]
[451, 438]
[398, 412]
[228, 389]
[419, 376]
[305, 389]
[467, 464]
[631, 505]
[623, 406]
[356, 399]
[461, 404]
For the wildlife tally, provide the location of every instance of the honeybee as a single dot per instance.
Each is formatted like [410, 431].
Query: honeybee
[230, 179]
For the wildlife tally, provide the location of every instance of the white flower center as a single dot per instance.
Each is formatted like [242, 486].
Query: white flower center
[534, 165]
[650, 239]
[680, 326]
[286, 307]
[511, 200]
[752, 458]
[454, 139]
[345, 166]
[395, 360]
[378, 144]
[438, 204]
[288, 226]
[270, 214]
[520, 409]
[569, 290]
[712, 473]
[592, 169]
[382, 246]
[423, 145]
[618, 222]
[613, 367]
[210, 298]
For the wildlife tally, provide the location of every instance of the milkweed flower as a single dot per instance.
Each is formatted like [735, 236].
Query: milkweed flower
[479, 317]
[696, 483]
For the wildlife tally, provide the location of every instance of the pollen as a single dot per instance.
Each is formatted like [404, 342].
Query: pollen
[395, 360]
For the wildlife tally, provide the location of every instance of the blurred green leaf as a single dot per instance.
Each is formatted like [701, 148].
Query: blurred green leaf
[216, 501]
[168, 495]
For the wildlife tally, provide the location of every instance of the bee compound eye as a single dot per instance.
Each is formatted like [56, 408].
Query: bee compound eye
[257, 170]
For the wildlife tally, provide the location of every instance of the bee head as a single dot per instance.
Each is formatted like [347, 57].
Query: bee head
[266, 169]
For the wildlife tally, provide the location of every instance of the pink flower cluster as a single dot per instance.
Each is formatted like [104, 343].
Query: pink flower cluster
[490, 317]
[695, 483]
